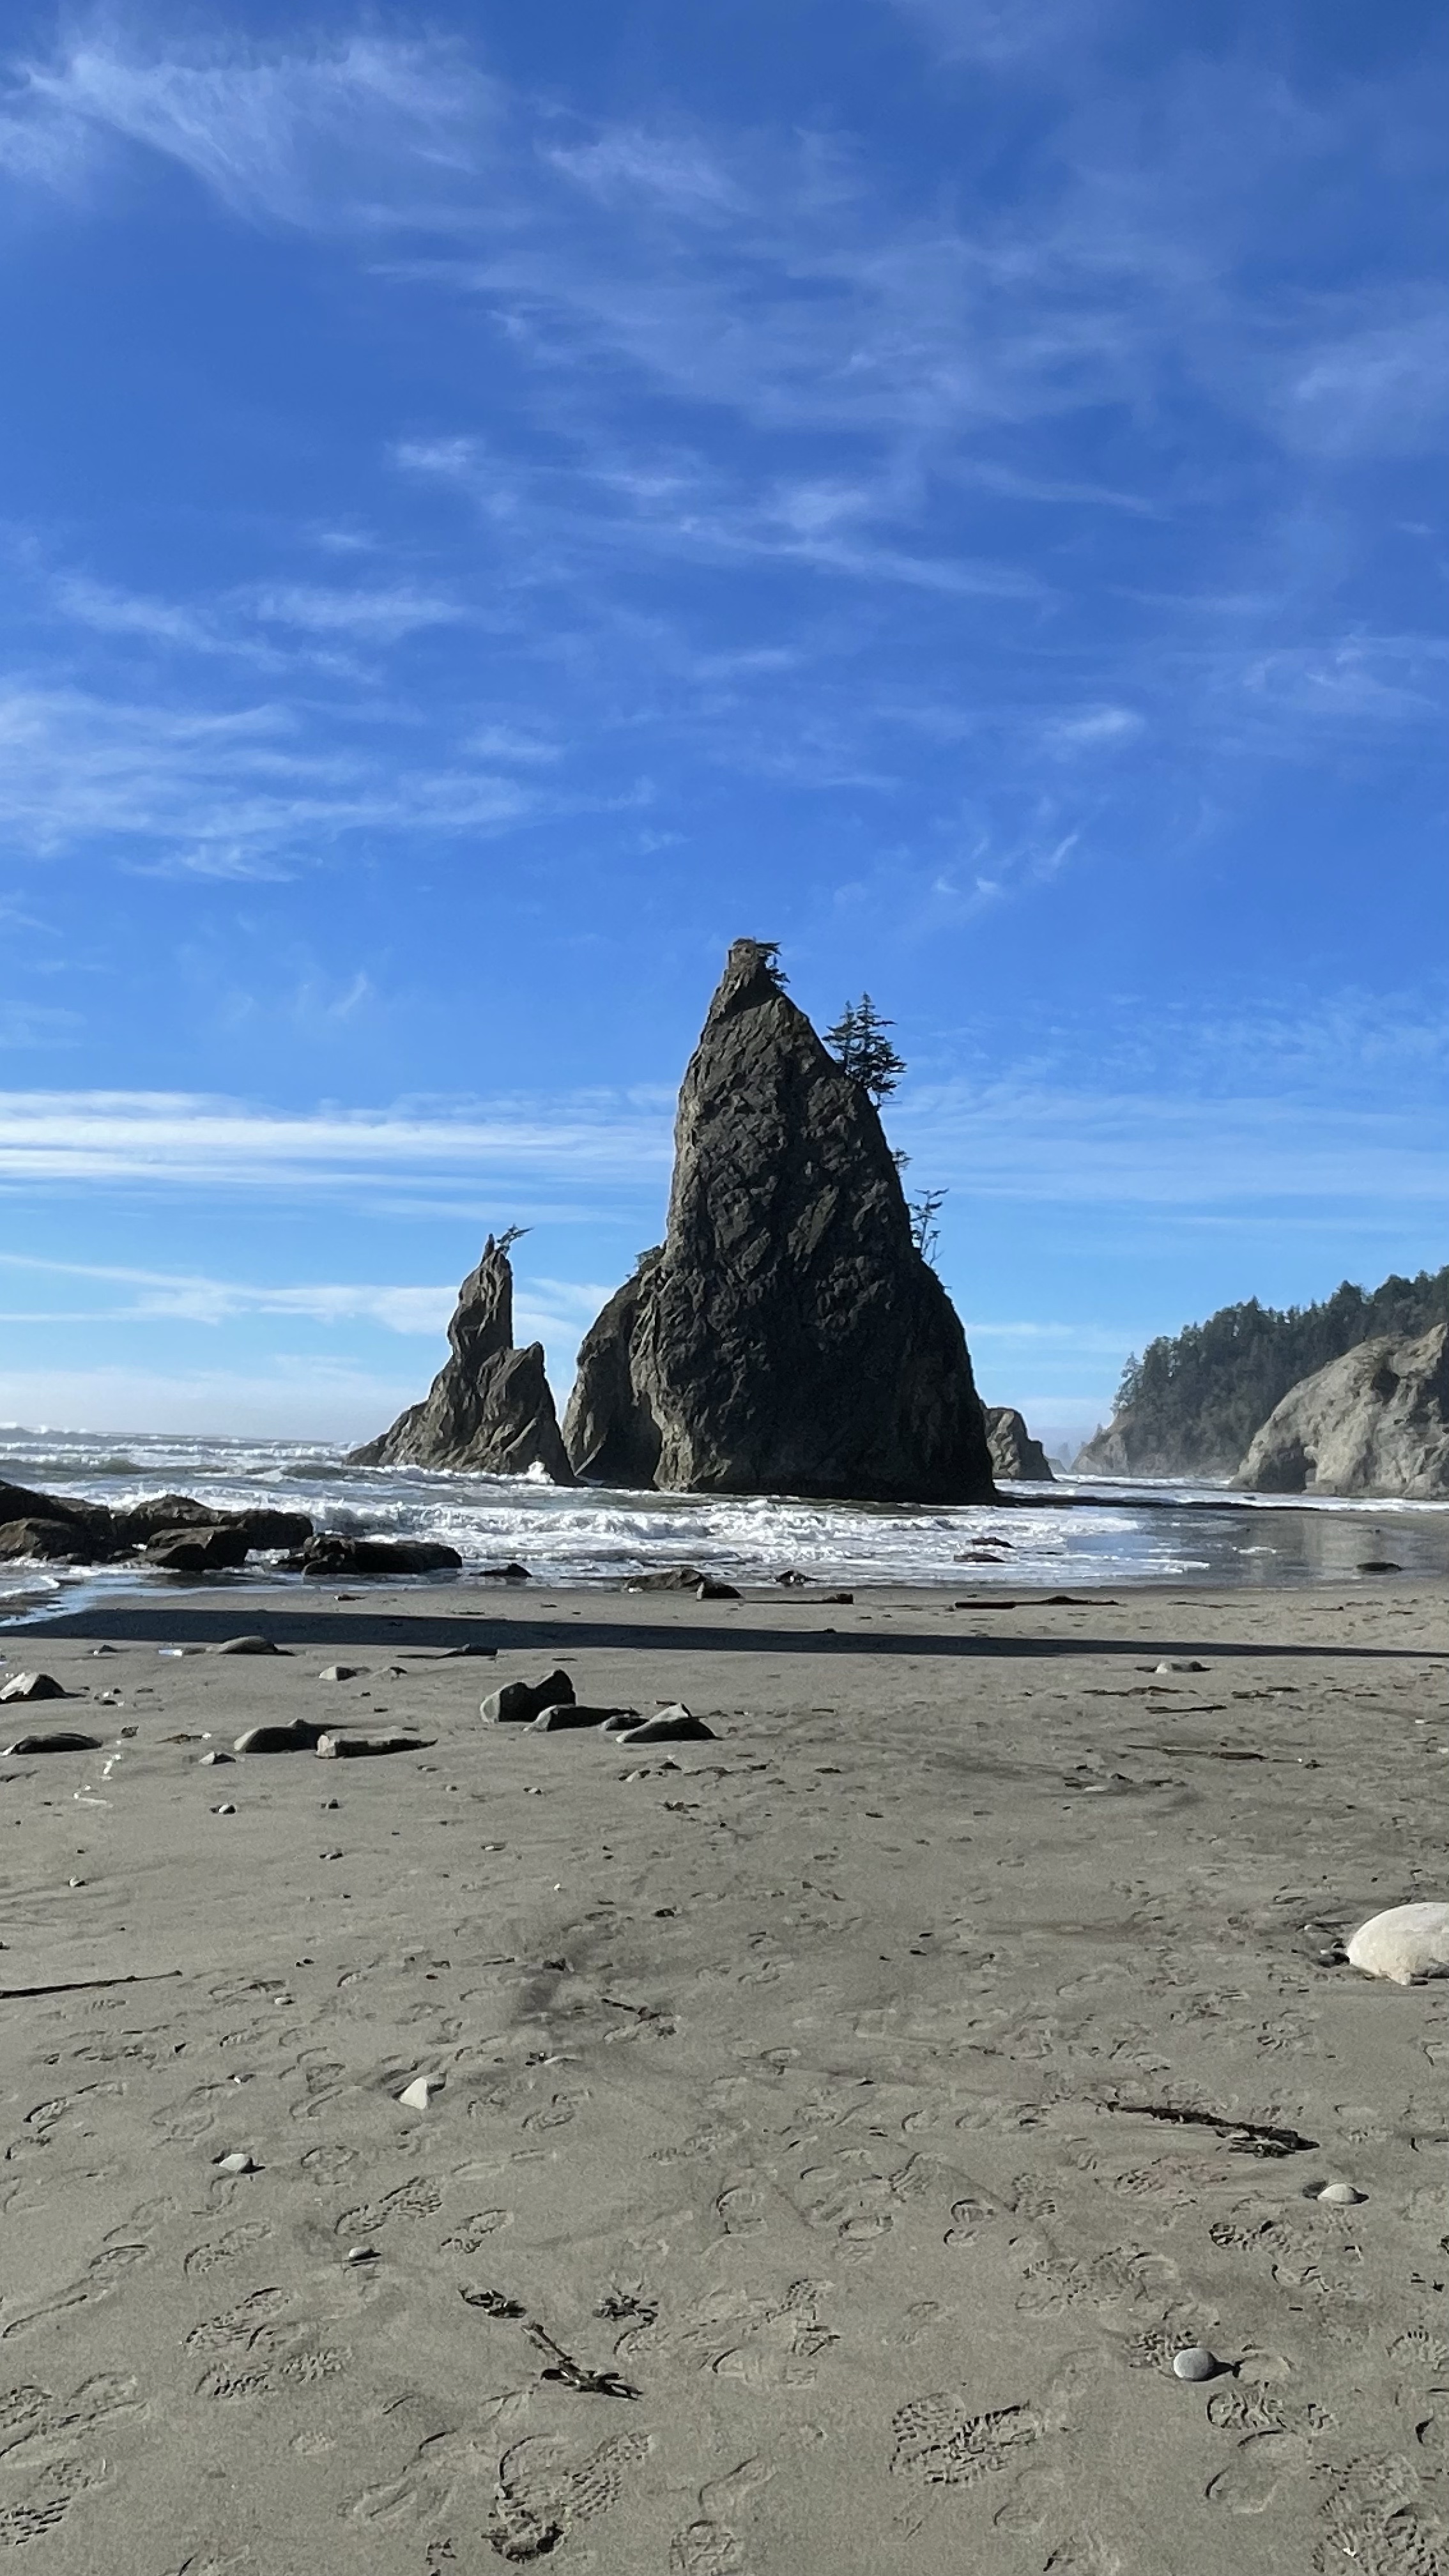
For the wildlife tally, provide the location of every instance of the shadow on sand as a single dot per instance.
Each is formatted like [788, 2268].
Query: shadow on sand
[189, 1621]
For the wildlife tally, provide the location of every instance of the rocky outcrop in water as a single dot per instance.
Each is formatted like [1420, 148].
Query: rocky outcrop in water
[60, 1529]
[788, 1337]
[1374, 1422]
[490, 1408]
[1015, 1456]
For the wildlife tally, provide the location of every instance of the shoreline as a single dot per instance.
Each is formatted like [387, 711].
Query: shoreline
[882, 2091]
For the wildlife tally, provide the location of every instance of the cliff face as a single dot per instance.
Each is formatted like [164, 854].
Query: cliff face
[489, 1408]
[1014, 1453]
[788, 1338]
[1374, 1422]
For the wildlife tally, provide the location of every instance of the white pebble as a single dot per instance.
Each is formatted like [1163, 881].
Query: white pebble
[1406, 1942]
[419, 2093]
[1195, 2363]
[238, 2162]
[225, 1809]
[1342, 2195]
[362, 2253]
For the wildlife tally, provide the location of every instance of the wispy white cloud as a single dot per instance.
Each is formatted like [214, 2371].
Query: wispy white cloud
[1091, 727]
[371, 616]
[223, 793]
[159, 1296]
[1382, 386]
[1024, 1141]
[177, 1140]
[338, 136]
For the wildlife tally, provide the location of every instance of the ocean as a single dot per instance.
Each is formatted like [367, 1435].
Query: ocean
[1067, 1536]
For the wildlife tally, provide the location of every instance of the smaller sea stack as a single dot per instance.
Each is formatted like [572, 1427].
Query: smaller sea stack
[489, 1408]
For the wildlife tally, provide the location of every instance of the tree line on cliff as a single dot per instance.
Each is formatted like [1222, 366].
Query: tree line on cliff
[1193, 1401]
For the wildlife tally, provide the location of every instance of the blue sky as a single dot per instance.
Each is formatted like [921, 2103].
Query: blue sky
[496, 503]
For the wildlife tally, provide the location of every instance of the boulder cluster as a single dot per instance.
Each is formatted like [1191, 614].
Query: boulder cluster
[176, 1534]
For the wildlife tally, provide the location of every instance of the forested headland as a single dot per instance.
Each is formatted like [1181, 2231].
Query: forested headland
[1192, 1402]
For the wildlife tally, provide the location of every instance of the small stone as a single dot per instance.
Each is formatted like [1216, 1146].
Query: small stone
[292, 1735]
[1189, 1667]
[208, 1759]
[27, 1686]
[238, 2162]
[330, 1806]
[569, 1713]
[246, 1646]
[75, 1882]
[1404, 1943]
[418, 2095]
[341, 1672]
[362, 2253]
[225, 1809]
[519, 1703]
[61, 1739]
[673, 1725]
[334, 1747]
[1196, 2362]
[1342, 2195]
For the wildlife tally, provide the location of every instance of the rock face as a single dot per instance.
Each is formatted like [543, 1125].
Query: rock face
[1014, 1453]
[787, 1337]
[1374, 1422]
[338, 1552]
[490, 1408]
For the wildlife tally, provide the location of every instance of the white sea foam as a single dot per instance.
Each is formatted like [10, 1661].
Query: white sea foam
[1051, 1536]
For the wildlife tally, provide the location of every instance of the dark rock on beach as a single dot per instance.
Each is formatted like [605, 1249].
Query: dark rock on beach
[673, 1725]
[338, 1552]
[519, 1703]
[57, 1529]
[201, 1550]
[31, 1686]
[490, 1408]
[788, 1337]
[569, 1713]
[50, 1542]
[43, 1518]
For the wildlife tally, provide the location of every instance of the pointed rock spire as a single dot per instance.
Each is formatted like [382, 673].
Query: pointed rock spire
[490, 1408]
[788, 1337]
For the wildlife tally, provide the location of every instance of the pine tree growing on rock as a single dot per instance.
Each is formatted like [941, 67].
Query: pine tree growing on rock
[859, 1039]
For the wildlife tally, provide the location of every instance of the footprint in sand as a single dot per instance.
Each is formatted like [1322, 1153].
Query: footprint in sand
[1256, 2471]
[538, 2497]
[708, 2546]
[40, 2504]
[939, 2440]
[419, 2198]
[235, 2328]
[228, 2248]
[105, 2273]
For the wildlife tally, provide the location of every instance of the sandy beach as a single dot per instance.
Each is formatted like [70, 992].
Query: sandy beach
[841, 2123]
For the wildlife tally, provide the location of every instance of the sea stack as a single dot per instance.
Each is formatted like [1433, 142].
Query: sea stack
[1015, 1455]
[490, 1408]
[787, 1337]
[1374, 1422]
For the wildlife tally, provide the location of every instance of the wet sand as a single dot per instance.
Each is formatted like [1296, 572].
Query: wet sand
[842, 2122]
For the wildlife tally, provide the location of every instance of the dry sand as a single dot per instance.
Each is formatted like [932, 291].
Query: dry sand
[838, 2134]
